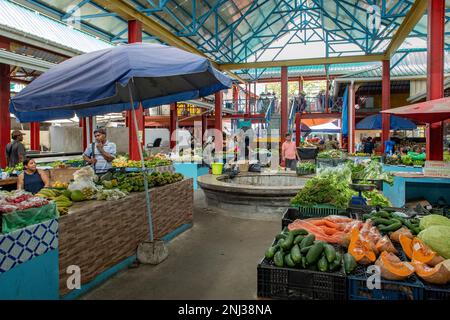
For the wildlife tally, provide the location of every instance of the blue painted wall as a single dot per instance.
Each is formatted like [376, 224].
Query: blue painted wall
[191, 170]
[391, 168]
[36, 279]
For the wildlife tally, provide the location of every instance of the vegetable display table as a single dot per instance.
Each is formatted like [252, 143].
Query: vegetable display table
[392, 168]
[191, 170]
[411, 186]
[7, 182]
[101, 237]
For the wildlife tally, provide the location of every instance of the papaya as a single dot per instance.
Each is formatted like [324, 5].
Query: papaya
[406, 244]
[360, 249]
[392, 268]
[421, 252]
[439, 274]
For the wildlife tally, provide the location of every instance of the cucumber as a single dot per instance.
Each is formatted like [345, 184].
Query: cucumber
[295, 254]
[330, 252]
[281, 236]
[299, 232]
[287, 243]
[384, 221]
[314, 253]
[323, 264]
[298, 239]
[270, 252]
[383, 214]
[367, 216]
[278, 258]
[336, 264]
[305, 250]
[304, 263]
[393, 226]
[349, 263]
[307, 241]
[288, 261]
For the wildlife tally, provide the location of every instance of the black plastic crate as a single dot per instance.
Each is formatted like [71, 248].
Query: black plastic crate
[303, 212]
[436, 292]
[410, 289]
[378, 183]
[299, 284]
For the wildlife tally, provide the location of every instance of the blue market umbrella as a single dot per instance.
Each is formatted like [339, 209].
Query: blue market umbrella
[113, 80]
[97, 82]
[304, 130]
[373, 122]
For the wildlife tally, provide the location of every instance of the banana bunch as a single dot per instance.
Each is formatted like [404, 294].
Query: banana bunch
[48, 194]
[62, 204]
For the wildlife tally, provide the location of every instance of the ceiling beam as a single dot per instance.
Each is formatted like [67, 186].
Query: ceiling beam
[409, 22]
[302, 62]
[128, 12]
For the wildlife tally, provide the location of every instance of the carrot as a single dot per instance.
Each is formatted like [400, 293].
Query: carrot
[329, 231]
[331, 224]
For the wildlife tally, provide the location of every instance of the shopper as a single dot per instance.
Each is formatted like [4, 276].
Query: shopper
[289, 153]
[101, 153]
[15, 150]
[32, 179]
[369, 146]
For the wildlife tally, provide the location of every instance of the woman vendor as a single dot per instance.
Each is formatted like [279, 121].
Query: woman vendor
[32, 179]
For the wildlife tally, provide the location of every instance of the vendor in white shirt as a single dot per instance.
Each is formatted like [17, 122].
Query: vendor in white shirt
[100, 153]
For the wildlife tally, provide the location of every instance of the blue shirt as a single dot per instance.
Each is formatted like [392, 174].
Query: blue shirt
[101, 166]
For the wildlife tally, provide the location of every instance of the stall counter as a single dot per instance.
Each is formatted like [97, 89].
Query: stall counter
[413, 186]
[191, 170]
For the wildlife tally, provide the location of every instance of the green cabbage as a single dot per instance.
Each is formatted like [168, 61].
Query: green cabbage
[434, 220]
[438, 239]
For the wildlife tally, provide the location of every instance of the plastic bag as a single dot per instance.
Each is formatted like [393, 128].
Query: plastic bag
[84, 180]
[21, 219]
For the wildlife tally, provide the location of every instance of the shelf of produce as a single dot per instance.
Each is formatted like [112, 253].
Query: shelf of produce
[409, 187]
[98, 235]
[9, 181]
[191, 170]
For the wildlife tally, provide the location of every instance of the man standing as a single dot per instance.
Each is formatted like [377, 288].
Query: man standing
[289, 153]
[101, 153]
[15, 150]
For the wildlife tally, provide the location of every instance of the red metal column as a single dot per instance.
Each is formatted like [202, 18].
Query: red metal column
[300, 85]
[327, 96]
[135, 142]
[297, 128]
[254, 92]
[247, 98]
[385, 103]
[284, 103]
[351, 119]
[91, 129]
[5, 120]
[236, 97]
[173, 122]
[435, 82]
[82, 125]
[218, 101]
[35, 136]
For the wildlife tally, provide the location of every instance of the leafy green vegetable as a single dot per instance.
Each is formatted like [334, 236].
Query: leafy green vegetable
[307, 166]
[330, 154]
[376, 198]
[438, 239]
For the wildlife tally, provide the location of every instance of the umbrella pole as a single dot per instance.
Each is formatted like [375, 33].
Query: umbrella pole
[141, 154]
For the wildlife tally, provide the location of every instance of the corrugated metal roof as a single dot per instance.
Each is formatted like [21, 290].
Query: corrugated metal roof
[414, 64]
[24, 20]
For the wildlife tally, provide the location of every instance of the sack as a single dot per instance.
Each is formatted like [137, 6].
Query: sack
[255, 167]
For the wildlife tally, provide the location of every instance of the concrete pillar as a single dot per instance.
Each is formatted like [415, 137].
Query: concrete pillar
[435, 78]
[385, 103]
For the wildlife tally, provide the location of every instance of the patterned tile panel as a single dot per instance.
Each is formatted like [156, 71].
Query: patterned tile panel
[22, 245]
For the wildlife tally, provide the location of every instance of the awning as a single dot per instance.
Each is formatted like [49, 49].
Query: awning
[329, 127]
[373, 122]
[429, 111]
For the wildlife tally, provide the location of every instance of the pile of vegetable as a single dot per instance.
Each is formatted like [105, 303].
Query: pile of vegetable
[403, 160]
[332, 154]
[19, 200]
[300, 249]
[371, 170]
[332, 186]
[305, 168]
[391, 221]
[151, 162]
[134, 182]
